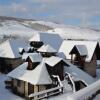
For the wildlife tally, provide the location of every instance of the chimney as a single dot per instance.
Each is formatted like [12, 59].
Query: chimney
[30, 65]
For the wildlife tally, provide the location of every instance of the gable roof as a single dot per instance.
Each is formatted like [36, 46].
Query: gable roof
[38, 76]
[47, 48]
[52, 61]
[67, 46]
[10, 48]
[48, 38]
[82, 50]
[28, 48]
[61, 55]
[35, 57]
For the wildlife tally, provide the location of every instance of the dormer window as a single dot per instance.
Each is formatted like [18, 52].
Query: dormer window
[30, 49]
[21, 51]
[36, 44]
[33, 60]
[47, 54]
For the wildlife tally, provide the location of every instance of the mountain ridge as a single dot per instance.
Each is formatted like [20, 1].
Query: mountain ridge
[27, 27]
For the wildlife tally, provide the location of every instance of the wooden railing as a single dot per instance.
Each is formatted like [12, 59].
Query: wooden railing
[47, 93]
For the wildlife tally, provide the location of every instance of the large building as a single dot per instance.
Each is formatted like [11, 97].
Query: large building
[84, 54]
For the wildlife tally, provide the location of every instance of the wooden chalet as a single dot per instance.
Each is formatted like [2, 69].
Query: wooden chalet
[83, 54]
[10, 57]
[55, 66]
[35, 76]
[33, 60]
[25, 82]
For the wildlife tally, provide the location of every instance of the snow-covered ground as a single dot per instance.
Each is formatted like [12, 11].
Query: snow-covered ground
[5, 94]
[15, 28]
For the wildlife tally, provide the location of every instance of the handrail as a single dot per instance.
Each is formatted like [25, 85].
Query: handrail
[43, 92]
[49, 92]
[74, 90]
[60, 83]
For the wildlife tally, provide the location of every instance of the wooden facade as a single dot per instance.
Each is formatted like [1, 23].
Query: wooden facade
[78, 60]
[79, 85]
[90, 67]
[8, 64]
[31, 65]
[87, 66]
[58, 69]
[24, 89]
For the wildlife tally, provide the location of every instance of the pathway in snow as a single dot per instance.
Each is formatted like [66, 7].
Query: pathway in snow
[4, 93]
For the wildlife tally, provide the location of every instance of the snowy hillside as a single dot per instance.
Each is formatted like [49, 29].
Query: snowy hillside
[11, 27]
[71, 32]
[25, 27]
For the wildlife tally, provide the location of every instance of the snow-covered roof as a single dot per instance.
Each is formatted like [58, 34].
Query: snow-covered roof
[46, 48]
[38, 76]
[81, 49]
[73, 32]
[28, 48]
[48, 38]
[61, 55]
[10, 48]
[20, 49]
[52, 61]
[67, 46]
[85, 93]
[35, 57]
[78, 73]
[25, 55]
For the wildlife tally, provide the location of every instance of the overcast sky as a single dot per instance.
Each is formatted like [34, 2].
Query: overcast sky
[74, 12]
